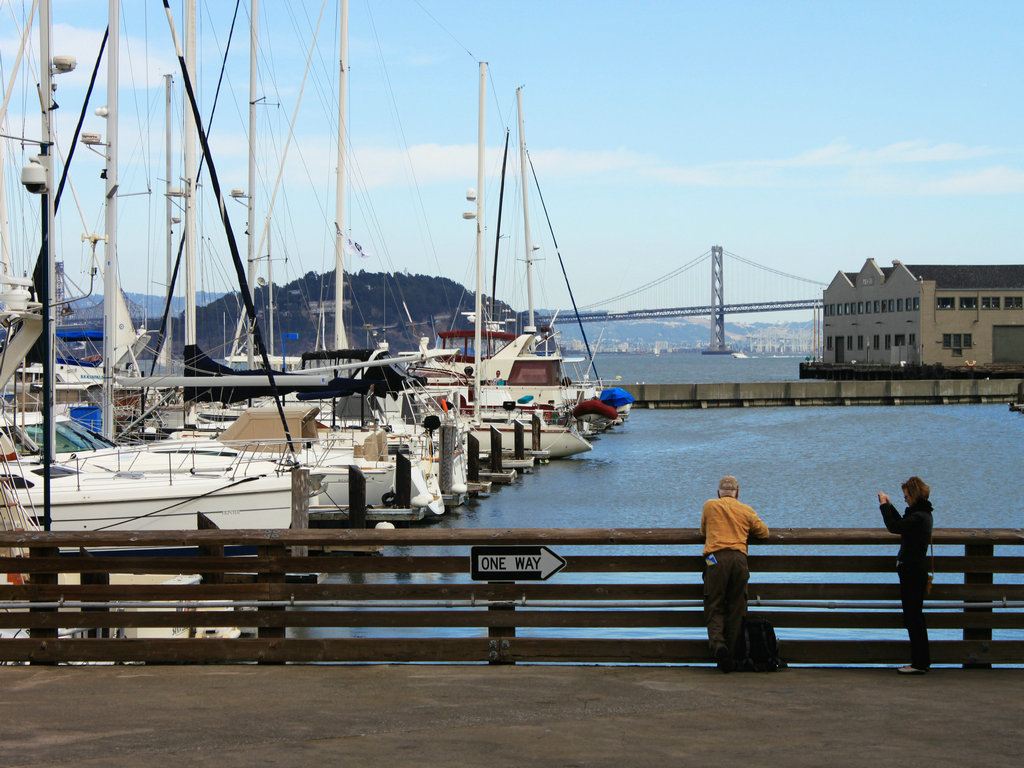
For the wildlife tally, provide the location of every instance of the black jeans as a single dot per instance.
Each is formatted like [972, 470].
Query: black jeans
[912, 586]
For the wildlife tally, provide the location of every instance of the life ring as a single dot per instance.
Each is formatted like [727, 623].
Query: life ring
[970, 363]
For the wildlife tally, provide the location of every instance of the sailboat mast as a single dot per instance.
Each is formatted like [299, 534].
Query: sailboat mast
[251, 191]
[479, 314]
[110, 282]
[340, 339]
[190, 183]
[526, 214]
[47, 291]
[165, 349]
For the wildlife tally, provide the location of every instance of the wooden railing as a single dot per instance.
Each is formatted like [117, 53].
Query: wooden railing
[625, 596]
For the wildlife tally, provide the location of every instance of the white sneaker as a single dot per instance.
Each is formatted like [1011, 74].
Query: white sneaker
[911, 671]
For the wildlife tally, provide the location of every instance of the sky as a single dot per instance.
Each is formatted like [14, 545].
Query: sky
[803, 136]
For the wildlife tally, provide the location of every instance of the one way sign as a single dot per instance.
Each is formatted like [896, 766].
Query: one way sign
[514, 563]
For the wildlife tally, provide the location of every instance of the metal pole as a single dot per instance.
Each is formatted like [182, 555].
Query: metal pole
[340, 339]
[251, 191]
[190, 182]
[165, 350]
[477, 336]
[46, 291]
[526, 214]
[110, 282]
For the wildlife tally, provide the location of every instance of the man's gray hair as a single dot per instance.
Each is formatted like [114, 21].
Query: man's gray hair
[728, 486]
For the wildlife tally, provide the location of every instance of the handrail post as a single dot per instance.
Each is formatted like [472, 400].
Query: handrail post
[982, 634]
[498, 638]
[265, 553]
[535, 428]
[520, 441]
[49, 579]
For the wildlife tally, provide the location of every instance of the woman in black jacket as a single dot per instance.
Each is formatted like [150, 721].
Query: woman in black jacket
[915, 530]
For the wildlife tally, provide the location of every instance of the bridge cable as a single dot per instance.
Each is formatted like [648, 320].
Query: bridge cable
[774, 271]
[652, 283]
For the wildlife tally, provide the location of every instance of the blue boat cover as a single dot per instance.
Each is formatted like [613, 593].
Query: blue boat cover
[616, 396]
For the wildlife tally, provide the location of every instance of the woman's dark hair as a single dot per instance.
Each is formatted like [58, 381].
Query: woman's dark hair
[916, 489]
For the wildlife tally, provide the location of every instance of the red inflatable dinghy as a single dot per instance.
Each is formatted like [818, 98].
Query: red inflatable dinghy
[589, 410]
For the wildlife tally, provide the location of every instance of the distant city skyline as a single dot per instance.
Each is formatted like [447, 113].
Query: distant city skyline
[802, 135]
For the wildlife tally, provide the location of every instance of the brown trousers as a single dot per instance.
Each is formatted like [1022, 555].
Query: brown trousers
[725, 598]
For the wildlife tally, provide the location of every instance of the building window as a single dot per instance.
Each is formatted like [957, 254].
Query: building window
[968, 302]
[990, 302]
[1013, 302]
[874, 342]
[884, 308]
[945, 302]
[849, 342]
[913, 340]
[867, 307]
[860, 342]
[892, 307]
[828, 343]
[876, 307]
[947, 340]
[968, 341]
[917, 303]
[888, 341]
[900, 340]
[906, 303]
[860, 307]
[899, 305]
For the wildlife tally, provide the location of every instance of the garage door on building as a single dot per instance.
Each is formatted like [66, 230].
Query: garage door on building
[1008, 344]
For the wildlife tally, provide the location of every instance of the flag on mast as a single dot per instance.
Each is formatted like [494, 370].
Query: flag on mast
[352, 248]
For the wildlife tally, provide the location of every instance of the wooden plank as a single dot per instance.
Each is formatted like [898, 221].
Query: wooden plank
[440, 537]
[191, 563]
[278, 590]
[215, 650]
[482, 618]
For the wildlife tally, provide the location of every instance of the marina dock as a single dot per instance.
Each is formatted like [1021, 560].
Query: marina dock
[444, 715]
[820, 393]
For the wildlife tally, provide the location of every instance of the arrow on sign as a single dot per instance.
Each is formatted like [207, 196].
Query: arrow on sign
[519, 563]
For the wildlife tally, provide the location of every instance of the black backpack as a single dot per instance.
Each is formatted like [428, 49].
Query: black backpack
[759, 648]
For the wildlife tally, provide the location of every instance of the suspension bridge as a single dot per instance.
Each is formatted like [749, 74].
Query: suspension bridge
[684, 292]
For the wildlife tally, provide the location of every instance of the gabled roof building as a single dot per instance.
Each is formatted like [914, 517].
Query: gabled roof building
[925, 315]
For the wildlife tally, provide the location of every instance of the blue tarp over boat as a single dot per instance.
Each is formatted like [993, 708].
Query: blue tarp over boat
[616, 397]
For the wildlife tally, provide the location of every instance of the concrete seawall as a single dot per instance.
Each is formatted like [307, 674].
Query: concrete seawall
[797, 393]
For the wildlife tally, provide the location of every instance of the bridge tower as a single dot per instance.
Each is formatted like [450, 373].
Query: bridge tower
[717, 345]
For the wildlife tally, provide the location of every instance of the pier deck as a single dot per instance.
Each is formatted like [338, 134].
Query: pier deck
[444, 715]
[797, 393]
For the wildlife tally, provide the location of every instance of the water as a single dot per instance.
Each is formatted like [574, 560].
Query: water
[814, 467]
[800, 467]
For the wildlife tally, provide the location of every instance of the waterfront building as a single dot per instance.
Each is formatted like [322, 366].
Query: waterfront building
[926, 314]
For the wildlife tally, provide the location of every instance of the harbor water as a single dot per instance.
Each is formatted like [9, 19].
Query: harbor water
[799, 467]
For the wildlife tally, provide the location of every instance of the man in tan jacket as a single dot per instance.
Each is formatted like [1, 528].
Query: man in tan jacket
[726, 524]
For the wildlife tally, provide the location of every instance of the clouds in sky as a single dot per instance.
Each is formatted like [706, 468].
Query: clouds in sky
[915, 168]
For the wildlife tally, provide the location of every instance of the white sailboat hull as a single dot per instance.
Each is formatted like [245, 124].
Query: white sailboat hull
[164, 503]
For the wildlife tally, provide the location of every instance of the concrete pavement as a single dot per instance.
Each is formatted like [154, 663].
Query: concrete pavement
[450, 715]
